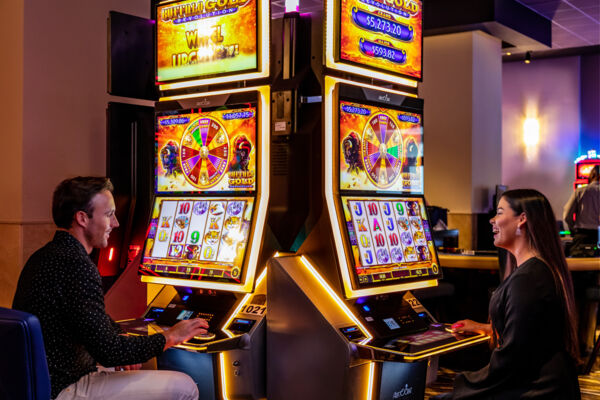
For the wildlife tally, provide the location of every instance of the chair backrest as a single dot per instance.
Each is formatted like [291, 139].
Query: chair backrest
[23, 366]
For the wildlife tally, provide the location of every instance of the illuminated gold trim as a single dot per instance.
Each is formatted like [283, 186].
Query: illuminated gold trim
[223, 377]
[262, 199]
[332, 30]
[323, 283]
[330, 122]
[441, 349]
[371, 382]
[244, 301]
[264, 62]
[190, 347]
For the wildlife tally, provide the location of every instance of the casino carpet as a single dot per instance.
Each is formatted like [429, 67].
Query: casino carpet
[589, 384]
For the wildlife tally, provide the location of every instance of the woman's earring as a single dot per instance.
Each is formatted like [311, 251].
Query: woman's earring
[518, 231]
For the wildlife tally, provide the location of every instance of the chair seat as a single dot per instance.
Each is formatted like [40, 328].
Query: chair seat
[23, 366]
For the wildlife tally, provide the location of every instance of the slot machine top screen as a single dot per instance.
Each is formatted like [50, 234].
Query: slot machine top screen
[206, 151]
[207, 38]
[385, 35]
[391, 240]
[203, 239]
[381, 149]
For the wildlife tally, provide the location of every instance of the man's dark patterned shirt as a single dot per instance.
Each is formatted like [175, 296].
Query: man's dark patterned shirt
[62, 287]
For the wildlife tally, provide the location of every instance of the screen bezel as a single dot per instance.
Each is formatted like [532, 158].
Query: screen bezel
[223, 107]
[337, 45]
[409, 108]
[349, 252]
[205, 279]
[259, 50]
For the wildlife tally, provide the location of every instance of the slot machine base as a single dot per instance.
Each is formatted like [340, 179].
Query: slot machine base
[318, 348]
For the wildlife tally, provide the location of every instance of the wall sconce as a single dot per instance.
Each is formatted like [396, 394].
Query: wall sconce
[531, 132]
[527, 57]
[292, 5]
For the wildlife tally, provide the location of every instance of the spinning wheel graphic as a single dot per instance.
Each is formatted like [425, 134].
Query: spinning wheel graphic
[381, 150]
[204, 152]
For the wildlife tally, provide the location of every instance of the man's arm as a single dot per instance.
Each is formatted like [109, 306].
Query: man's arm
[94, 329]
[570, 209]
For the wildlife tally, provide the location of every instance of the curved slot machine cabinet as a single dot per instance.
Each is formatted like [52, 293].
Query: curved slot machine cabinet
[205, 241]
[342, 321]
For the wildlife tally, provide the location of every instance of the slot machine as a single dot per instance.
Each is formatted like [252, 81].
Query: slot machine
[207, 239]
[583, 167]
[343, 322]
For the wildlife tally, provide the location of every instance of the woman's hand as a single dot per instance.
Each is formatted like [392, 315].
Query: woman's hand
[467, 325]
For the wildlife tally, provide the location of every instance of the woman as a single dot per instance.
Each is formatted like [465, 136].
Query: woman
[533, 323]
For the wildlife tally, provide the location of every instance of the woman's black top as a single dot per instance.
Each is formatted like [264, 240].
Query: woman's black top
[530, 361]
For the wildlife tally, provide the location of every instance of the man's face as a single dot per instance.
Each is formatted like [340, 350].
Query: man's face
[103, 220]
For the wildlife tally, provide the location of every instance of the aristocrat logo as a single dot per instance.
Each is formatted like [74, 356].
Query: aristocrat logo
[385, 98]
[405, 391]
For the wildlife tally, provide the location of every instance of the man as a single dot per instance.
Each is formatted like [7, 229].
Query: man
[62, 287]
[584, 205]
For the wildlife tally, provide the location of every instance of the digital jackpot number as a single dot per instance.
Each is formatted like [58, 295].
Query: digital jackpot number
[376, 23]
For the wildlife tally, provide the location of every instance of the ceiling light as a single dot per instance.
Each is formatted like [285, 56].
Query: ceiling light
[527, 57]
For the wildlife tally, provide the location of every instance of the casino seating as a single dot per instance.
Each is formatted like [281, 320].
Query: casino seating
[23, 367]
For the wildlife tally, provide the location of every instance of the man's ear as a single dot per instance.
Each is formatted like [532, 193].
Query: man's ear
[81, 218]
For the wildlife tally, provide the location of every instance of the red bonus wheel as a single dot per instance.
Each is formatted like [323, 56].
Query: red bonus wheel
[204, 152]
[381, 150]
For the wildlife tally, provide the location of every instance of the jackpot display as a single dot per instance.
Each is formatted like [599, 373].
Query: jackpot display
[390, 239]
[380, 149]
[198, 238]
[205, 38]
[382, 34]
[210, 151]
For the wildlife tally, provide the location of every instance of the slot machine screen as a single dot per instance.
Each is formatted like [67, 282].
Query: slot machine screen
[206, 151]
[382, 35]
[583, 169]
[200, 238]
[201, 39]
[391, 240]
[381, 149]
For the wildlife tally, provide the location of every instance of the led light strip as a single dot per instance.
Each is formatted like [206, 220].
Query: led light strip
[371, 381]
[223, 378]
[483, 338]
[336, 299]
[331, 30]
[262, 198]
[263, 62]
[330, 124]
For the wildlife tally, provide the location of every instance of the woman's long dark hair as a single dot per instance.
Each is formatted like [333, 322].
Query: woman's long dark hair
[542, 235]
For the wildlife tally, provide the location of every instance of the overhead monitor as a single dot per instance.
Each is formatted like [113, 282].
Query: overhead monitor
[390, 239]
[198, 238]
[380, 148]
[206, 150]
[206, 39]
[381, 35]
